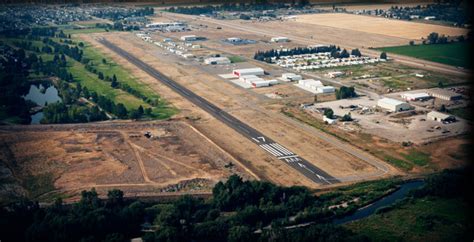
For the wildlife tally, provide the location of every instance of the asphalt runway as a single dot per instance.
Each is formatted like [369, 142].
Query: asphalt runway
[312, 172]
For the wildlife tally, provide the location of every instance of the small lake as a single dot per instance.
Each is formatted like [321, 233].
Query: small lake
[385, 201]
[42, 94]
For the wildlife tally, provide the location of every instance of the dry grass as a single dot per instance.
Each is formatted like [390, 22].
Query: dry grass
[376, 25]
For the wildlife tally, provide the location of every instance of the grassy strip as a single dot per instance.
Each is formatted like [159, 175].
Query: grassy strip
[236, 59]
[436, 219]
[454, 54]
[297, 115]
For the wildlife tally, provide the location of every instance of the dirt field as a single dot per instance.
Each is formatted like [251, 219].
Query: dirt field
[376, 25]
[69, 158]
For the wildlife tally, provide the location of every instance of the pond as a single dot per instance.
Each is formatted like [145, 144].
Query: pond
[385, 201]
[42, 94]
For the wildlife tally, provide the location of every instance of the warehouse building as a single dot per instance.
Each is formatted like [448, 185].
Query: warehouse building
[280, 39]
[217, 61]
[188, 37]
[249, 71]
[440, 117]
[444, 94]
[416, 96]
[393, 105]
[291, 77]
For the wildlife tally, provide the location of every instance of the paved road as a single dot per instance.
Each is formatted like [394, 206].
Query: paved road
[277, 150]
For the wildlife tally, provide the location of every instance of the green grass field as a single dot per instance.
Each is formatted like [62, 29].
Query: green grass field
[454, 54]
[427, 219]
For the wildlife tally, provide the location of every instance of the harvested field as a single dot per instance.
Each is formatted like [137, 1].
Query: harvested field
[70, 158]
[376, 25]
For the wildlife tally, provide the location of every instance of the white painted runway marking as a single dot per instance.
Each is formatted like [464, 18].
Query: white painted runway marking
[268, 150]
[274, 150]
[281, 149]
[261, 138]
[289, 156]
[256, 140]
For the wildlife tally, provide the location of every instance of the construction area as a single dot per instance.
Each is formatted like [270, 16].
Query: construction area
[142, 159]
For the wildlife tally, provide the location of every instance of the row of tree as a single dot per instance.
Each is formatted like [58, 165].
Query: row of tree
[336, 52]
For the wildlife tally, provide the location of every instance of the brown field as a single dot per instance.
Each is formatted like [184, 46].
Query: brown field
[377, 25]
[384, 6]
[65, 159]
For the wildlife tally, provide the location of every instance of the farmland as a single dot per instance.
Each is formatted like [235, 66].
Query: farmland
[379, 26]
[454, 54]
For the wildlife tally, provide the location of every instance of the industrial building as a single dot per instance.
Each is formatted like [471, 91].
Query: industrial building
[291, 77]
[249, 71]
[280, 39]
[393, 105]
[314, 86]
[444, 94]
[188, 37]
[440, 117]
[217, 61]
[415, 96]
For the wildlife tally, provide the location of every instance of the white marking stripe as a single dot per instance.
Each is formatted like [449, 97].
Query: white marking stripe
[281, 148]
[256, 140]
[275, 150]
[271, 148]
[268, 150]
[289, 156]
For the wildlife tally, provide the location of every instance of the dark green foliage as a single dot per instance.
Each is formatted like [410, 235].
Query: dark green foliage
[329, 113]
[346, 92]
[383, 55]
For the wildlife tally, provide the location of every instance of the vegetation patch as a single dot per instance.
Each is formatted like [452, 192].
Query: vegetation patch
[454, 54]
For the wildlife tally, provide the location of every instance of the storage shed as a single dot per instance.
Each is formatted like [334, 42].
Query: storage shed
[440, 117]
[393, 105]
[249, 71]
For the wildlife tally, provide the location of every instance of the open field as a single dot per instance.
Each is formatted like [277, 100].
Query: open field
[109, 155]
[455, 54]
[376, 25]
[433, 219]
[384, 6]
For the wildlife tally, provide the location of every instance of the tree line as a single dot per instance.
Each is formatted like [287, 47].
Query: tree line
[238, 211]
[258, 5]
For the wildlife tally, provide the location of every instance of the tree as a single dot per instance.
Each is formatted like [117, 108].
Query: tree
[239, 234]
[115, 197]
[442, 108]
[346, 117]
[356, 52]
[101, 76]
[383, 56]
[114, 83]
[121, 111]
[104, 61]
[433, 37]
[412, 42]
[329, 113]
